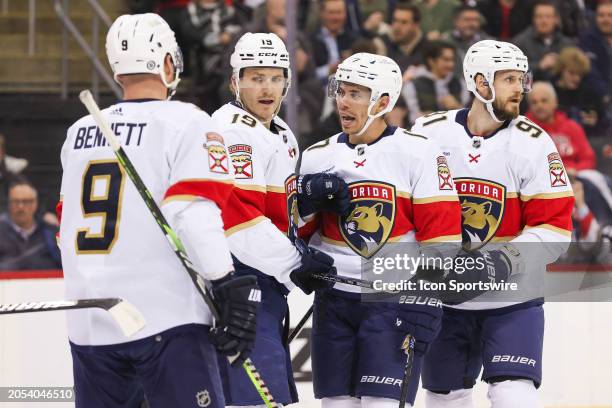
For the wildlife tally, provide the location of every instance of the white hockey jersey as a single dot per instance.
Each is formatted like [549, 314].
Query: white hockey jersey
[401, 191]
[512, 186]
[263, 163]
[110, 243]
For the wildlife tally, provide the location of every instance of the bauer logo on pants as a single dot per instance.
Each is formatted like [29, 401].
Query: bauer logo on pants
[482, 209]
[368, 226]
[242, 160]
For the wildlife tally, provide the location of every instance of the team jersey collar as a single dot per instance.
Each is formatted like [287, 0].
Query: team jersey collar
[139, 100]
[274, 127]
[344, 137]
[461, 118]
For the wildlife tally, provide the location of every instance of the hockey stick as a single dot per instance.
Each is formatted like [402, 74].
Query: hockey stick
[203, 286]
[127, 317]
[300, 325]
[408, 347]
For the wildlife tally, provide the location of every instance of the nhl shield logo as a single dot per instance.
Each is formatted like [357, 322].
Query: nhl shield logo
[482, 210]
[368, 226]
[292, 208]
[242, 160]
[203, 398]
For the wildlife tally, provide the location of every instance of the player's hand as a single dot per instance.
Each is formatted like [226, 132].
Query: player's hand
[322, 192]
[237, 299]
[313, 262]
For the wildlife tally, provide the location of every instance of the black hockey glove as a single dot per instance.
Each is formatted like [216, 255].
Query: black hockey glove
[313, 262]
[237, 299]
[322, 192]
[483, 266]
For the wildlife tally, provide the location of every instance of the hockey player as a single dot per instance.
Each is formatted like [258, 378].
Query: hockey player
[263, 153]
[400, 191]
[512, 187]
[111, 245]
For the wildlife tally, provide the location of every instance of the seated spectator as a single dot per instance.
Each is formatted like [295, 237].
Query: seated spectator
[406, 41]
[10, 167]
[331, 41]
[569, 137]
[505, 18]
[577, 94]
[542, 41]
[26, 241]
[435, 87]
[466, 32]
[597, 44]
[437, 16]
[208, 27]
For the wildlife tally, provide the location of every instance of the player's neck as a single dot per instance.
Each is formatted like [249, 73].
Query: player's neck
[373, 132]
[145, 89]
[479, 121]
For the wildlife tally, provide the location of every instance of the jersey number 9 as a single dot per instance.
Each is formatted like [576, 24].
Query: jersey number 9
[101, 193]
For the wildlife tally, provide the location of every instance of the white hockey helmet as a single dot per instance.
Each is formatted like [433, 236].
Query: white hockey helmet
[489, 56]
[139, 43]
[379, 73]
[260, 50]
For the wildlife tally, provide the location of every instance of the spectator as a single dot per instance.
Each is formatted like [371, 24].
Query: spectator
[572, 16]
[466, 31]
[435, 87]
[577, 96]
[331, 41]
[542, 41]
[505, 18]
[437, 16]
[27, 242]
[406, 41]
[597, 44]
[208, 27]
[10, 167]
[569, 137]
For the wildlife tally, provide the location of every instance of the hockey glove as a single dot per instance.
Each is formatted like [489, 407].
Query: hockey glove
[322, 192]
[237, 299]
[313, 262]
[478, 266]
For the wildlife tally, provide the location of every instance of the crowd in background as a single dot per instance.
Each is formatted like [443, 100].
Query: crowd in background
[568, 44]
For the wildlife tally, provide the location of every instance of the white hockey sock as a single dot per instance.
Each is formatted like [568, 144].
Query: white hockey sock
[343, 401]
[378, 402]
[454, 399]
[514, 393]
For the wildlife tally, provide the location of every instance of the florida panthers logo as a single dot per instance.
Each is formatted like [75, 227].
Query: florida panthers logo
[292, 208]
[368, 226]
[482, 209]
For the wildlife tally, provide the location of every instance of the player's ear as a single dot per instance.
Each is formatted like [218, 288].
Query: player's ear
[482, 86]
[382, 103]
[169, 68]
[232, 84]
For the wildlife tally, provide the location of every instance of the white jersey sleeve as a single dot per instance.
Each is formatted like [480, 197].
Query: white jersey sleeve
[257, 221]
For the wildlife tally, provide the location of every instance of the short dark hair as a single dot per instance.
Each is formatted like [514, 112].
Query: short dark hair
[463, 8]
[434, 49]
[550, 3]
[408, 6]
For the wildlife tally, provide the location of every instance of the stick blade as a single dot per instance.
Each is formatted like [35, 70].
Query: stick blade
[127, 317]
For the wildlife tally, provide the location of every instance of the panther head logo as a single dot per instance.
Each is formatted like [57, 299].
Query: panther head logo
[478, 216]
[368, 224]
